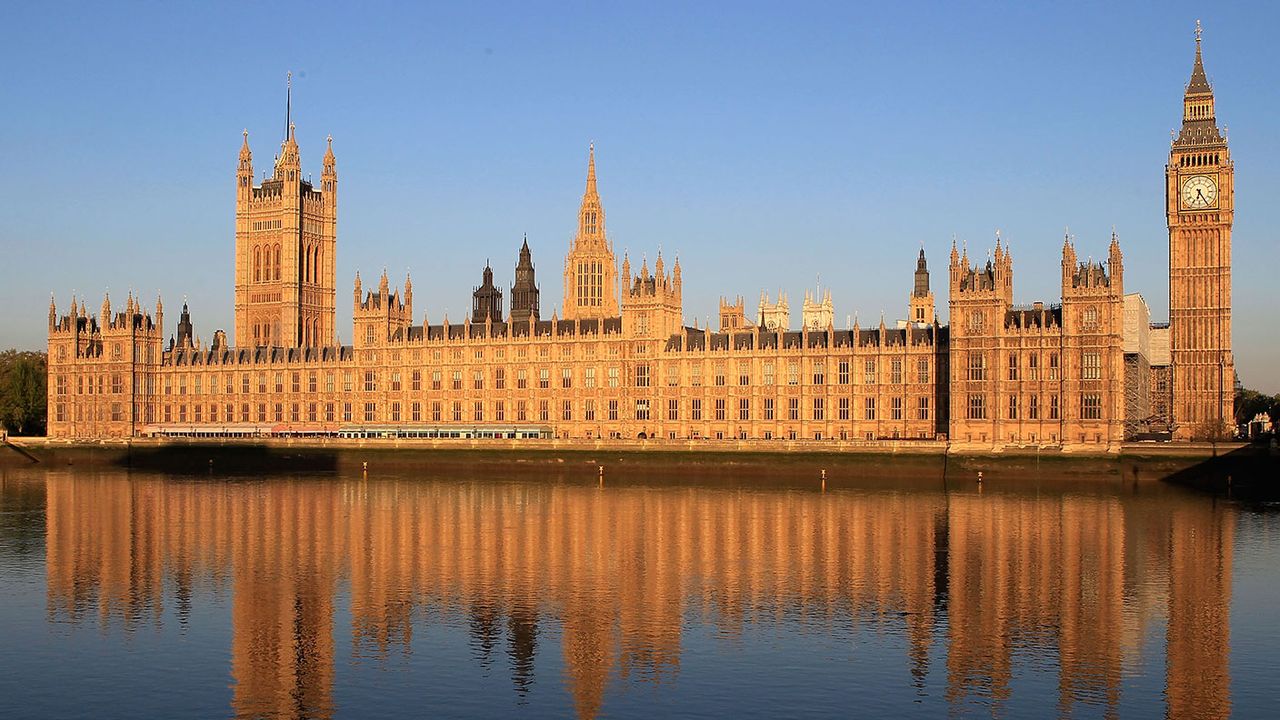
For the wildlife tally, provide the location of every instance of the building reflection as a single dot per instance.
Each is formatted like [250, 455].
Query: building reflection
[978, 583]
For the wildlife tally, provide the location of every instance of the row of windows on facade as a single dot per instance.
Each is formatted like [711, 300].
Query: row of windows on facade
[693, 410]
[1090, 366]
[976, 408]
[590, 284]
[266, 263]
[477, 379]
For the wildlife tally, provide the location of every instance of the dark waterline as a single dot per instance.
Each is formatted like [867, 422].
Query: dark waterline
[141, 595]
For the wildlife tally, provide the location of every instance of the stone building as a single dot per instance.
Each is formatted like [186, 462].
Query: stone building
[622, 363]
[817, 312]
[774, 315]
[486, 300]
[1036, 374]
[1137, 365]
[1200, 208]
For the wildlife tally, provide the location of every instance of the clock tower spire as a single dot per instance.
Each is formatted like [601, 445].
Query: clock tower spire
[1200, 210]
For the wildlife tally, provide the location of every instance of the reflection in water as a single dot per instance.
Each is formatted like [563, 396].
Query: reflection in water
[1074, 580]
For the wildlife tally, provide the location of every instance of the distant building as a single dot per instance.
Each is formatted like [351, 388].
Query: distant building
[817, 314]
[774, 315]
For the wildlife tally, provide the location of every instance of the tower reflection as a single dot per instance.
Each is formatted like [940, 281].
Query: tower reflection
[614, 575]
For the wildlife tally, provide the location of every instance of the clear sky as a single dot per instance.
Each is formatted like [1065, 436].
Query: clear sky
[767, 144]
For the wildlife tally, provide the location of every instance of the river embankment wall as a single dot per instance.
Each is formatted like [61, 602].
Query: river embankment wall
[893, 462]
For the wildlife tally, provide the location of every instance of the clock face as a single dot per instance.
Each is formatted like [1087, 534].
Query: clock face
[1199, 192]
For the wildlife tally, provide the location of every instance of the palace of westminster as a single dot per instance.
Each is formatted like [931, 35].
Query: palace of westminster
[1085, 373]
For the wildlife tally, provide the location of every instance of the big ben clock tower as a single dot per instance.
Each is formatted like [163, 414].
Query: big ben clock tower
[1200, 206]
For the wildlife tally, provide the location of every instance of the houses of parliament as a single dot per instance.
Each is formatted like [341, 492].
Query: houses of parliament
[619, 361]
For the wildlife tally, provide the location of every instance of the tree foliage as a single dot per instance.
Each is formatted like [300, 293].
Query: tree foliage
[23, 392]
[1251, 402]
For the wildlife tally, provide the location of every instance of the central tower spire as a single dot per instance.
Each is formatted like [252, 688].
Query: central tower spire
[590, 271]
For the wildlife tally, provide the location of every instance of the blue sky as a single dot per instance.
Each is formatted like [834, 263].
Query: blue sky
[765, 143]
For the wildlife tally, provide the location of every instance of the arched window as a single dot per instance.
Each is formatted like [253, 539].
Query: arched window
[257, 264]
[277, 263]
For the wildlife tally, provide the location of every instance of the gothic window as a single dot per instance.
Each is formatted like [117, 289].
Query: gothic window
[869, 408]
[544, 378]
[895, 408]
[977, 408]
[819, 409]
[1053, 407]
[976, 321]
[642, 375]
[1033, 408]
[1091, 318]
[1092, 366]
[276, 264]
[720, 408]
[895, 371]
[1053, 366]
[257, 264]
[977, 366]
[695, 409]
[869, 372]
[922, 408]
[842, 372]
[1013, 366]
[819, 374]
[744, 409]
[1013, 407]
[922, 370]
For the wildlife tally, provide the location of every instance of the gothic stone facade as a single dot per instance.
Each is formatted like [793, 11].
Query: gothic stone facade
[621, 363]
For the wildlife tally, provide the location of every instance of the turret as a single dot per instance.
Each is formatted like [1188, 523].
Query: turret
[357, 295]
[525, 296]
[590, 270]
[1068, 259]
[185, 335]
[1115, 261]
[53, 312]
[244, 171]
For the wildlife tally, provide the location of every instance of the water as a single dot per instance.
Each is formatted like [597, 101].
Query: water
[139, 595]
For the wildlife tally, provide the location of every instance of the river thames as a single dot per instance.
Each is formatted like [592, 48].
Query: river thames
[550, 595]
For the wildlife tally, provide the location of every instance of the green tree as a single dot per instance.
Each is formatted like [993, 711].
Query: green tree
[23, 392]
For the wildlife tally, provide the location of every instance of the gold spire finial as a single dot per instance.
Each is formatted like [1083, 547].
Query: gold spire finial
[1199, 30]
